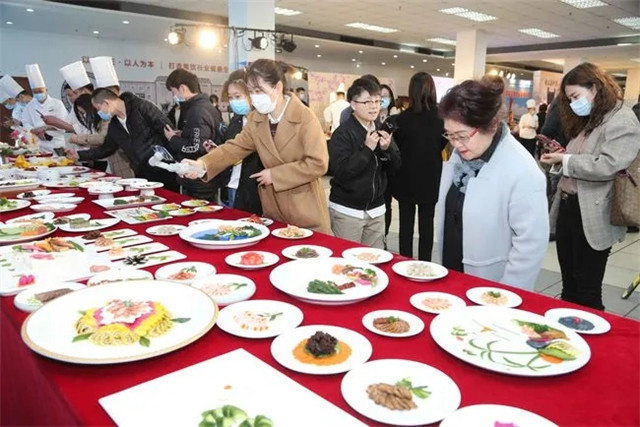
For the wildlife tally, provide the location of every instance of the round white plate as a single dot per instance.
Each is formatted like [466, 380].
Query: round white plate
[443, 400]
[94, 175]
[259, 318]
[13, 233]
[506, 298]
[25, 300]
[195, 203]
[166, 229]
[54, 207]
[197, 235]
[130, 181]
[65, 219]
[150, 185]
[105, 189]
[580, 321]
[94, 224]
[265, 221]
[125, 274]
[294, 277]
[19, 204]
[166, 207]
[433, 271]
[235, 260]
[278, 233]
[199, 269]
[70, 200]
[182, 302]
[495, 415]
[36, 193]
[322, 252]
[64, 183]
[182, 212]
[43, 216]
[109, 178]
[93, 184]
[283, 345]
[226, 289]
[510, 341]
[416, 325]
[436, 302]
[370, 255]
[71, 170]
[209, 209]
[53, 197]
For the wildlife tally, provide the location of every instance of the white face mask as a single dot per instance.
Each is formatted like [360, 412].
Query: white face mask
[263, 103]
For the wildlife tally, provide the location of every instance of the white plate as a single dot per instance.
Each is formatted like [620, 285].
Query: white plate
[282, 349]
[506, 299]
[11, 233]
[150, 185]
[166, 207]
[94, 224]
[198, 269]
[153, 259]
[26, 301]
[182, 212]
[54, 207]
[166, 229]
[370, 255]
[265, 221]
[259, 318]
[19, 184]
[65, 183]
[294, 277]
[209, 209]
[115, 234]
[68, 218]
[105, 189]
[443, 400]
[493, 415]
[36, 193]
[43, 216]
[226, 289]
[70, 200]
[195, 203]
[305, 233]
[92, 184]
[504, 340]
[121, 242]
[53, 197]
[109, 178]
[438, 302]
[57, 343]
[235, 260]
[322, 252]
[19, 204]
[138, 215]
[195, 235]
[120, 275]
[71, 170]
[575, 320]
[144, 249]
[128, 201]
[416, 325]
[130, 181]
[93, 175]
[437, 271]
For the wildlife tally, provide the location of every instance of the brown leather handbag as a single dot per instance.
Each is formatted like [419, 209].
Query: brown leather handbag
[625, 209]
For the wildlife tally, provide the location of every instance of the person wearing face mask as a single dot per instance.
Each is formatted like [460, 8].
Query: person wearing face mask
[289, 140]
[491, 217]
[21, 96]
[387, 103]
[302, 94]
[604, 139]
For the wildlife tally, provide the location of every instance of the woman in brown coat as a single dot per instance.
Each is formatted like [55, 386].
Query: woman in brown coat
[289, 140]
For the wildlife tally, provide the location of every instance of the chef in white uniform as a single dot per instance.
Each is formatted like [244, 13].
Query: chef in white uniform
[41, 105]
[105, 73]
[14, 90]
[333, 111]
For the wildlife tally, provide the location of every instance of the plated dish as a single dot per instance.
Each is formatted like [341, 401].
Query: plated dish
[35, 297]
[119, 275]
[128, 202]
[436, 302]
[292, 232]
[226, 289]
[252, 260]
[494, 297]
[119, 252]
[209, 209]
[185, 272]
[138, 215]
[144, 261]
[258, 220]
[43, 216]
[583, 322]
[33, 194]
[10, 205]
[182, 212]
[370, 255]
[259, 318]
[166, 229]
[495, 415]
[89, 225]
[195, 203]
[393, 323]
[19, 184]
[25, 231]
[219, 234]
[306, 252]
[420, 271]
[166, 207]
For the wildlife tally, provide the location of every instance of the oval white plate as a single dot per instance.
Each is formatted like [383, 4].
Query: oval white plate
[26, 302]
[122, 275]
[370, 255]
[130, 181]
[166, 207]
[109, 178]
[265, 221]
[259, 318]
[195, 234]
[53, 197]
[269, 260]
[416, 325]
[182, 212]
[600, 325]
[93, 184]
[202, 269]
[475, 295]
[54, 207]
[277, 231]
[441, 302]
[322, 252]
[19, 204]
[209, 209]
[94, 224]
[44, 216]
[11, 232]
[442, 402]
[70, 217]
[166, 229]
[402, 267]
[105, 189]
[283, 345]
[93, 174]
[36, 193]
[226, 289]
[195, 203]
[70, 200]
[490, 415]
[150, 185]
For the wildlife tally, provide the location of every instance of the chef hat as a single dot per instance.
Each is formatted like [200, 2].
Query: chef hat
[35, 76]
[531, 103]
[104, 71]
[9, 85]
[4, 96]
[75, 75]
[341, 88]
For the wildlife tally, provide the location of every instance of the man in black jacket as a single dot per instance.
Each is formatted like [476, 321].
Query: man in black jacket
[359, 159]
[199, 123]
[137, 126]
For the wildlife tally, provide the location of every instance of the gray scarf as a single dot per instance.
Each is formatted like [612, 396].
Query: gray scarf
[464, 171]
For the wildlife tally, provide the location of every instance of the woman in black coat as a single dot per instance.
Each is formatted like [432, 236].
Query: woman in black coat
[419, 138]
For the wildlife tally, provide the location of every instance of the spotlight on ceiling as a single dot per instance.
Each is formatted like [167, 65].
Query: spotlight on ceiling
[207, 39]
[176, 35]
[259, 42]
[288, 45]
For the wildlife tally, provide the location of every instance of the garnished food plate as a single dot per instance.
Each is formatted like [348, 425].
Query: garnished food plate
[182, 212]
[252, 260]
[195, 203]
[166, 207]
[259, 318]
[583, 322]
[128, 202]
[119, 275]
[400, 392]
[94, 224]
[113, 234]
[510, 341]
[292, 232]
[119, 252]
[306, 252]
[10, 205]
[226, 288]
[138, 215]
[320, 349]
[209, 209]
[370, 255]
[420, 271]
[28, 195]
[65, 182]
[258, 220]
[18, 184]
[144, 261]
[24, 232]
[41, 216]
[155, 318]
[393, 323]
[494, 297]
[36, 296]
[436, 302]
[222, 234]
[495, 415]
[103, 243]
[166, 229]
[185, 272]
[329, 281]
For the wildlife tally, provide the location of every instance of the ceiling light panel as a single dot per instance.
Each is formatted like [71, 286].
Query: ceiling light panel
[584, 4]
[476, 16]
[442, 41]
[453, 10]
[632, 22]
[370, 27]
[537, 32]
[286, 12]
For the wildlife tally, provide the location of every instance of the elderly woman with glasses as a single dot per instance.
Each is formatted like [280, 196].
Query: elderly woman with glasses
[492, 219]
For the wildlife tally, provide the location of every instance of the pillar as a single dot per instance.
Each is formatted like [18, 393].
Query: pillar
[632, 87]
[471, 55]
[250, 14]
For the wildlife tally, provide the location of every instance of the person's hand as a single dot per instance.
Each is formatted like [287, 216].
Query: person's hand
[39, 132]
[372, 140]
[551, 158]
[263, 177]
[170, 133]
[72, 154]
[53, 122]
[73, 139]
[209, 145]
[385, 140]
[196, 165]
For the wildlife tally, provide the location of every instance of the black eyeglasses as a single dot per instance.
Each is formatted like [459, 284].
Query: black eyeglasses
[369, 103]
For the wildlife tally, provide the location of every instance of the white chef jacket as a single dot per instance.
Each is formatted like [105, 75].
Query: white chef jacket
[333, 111]
[528, 120]
[50, 107]
[17, 112]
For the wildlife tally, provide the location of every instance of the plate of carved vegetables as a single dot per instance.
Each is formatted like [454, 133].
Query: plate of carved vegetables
[259, 318]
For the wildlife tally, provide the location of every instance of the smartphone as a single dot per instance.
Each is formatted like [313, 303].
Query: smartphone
[550, 145]
[389, 126]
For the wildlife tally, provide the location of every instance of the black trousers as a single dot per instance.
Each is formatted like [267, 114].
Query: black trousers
[581, 266]
[530, 145]
[425, 229]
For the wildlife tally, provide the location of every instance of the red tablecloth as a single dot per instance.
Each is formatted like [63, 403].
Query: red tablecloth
[39, 391]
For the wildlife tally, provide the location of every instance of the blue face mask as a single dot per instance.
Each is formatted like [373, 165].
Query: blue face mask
[386, 101]
[177, 99]
[103, 115]
[240, 106]
[581, 106]
[40, 97]
[10, 106]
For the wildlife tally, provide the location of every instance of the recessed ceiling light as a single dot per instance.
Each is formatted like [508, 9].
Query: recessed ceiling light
[353, 59]
[584, 4]
[453, 10]
[369, 27]
[360, 51]
[424, 60]
[537, 32]
[468, 14]
[442, 41]
[624, 44]
[286, 12]
[357, 65]
[412, 66]
[166, 39]
[632, 22]
[395, 56]
[437, 69]
[9, 23]
[383, 63]
[125, 22]
[30, 10]
[225, 45]
[317, 45]
[453, 64]
[446, 74]
[319, 56]
[96, 32]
